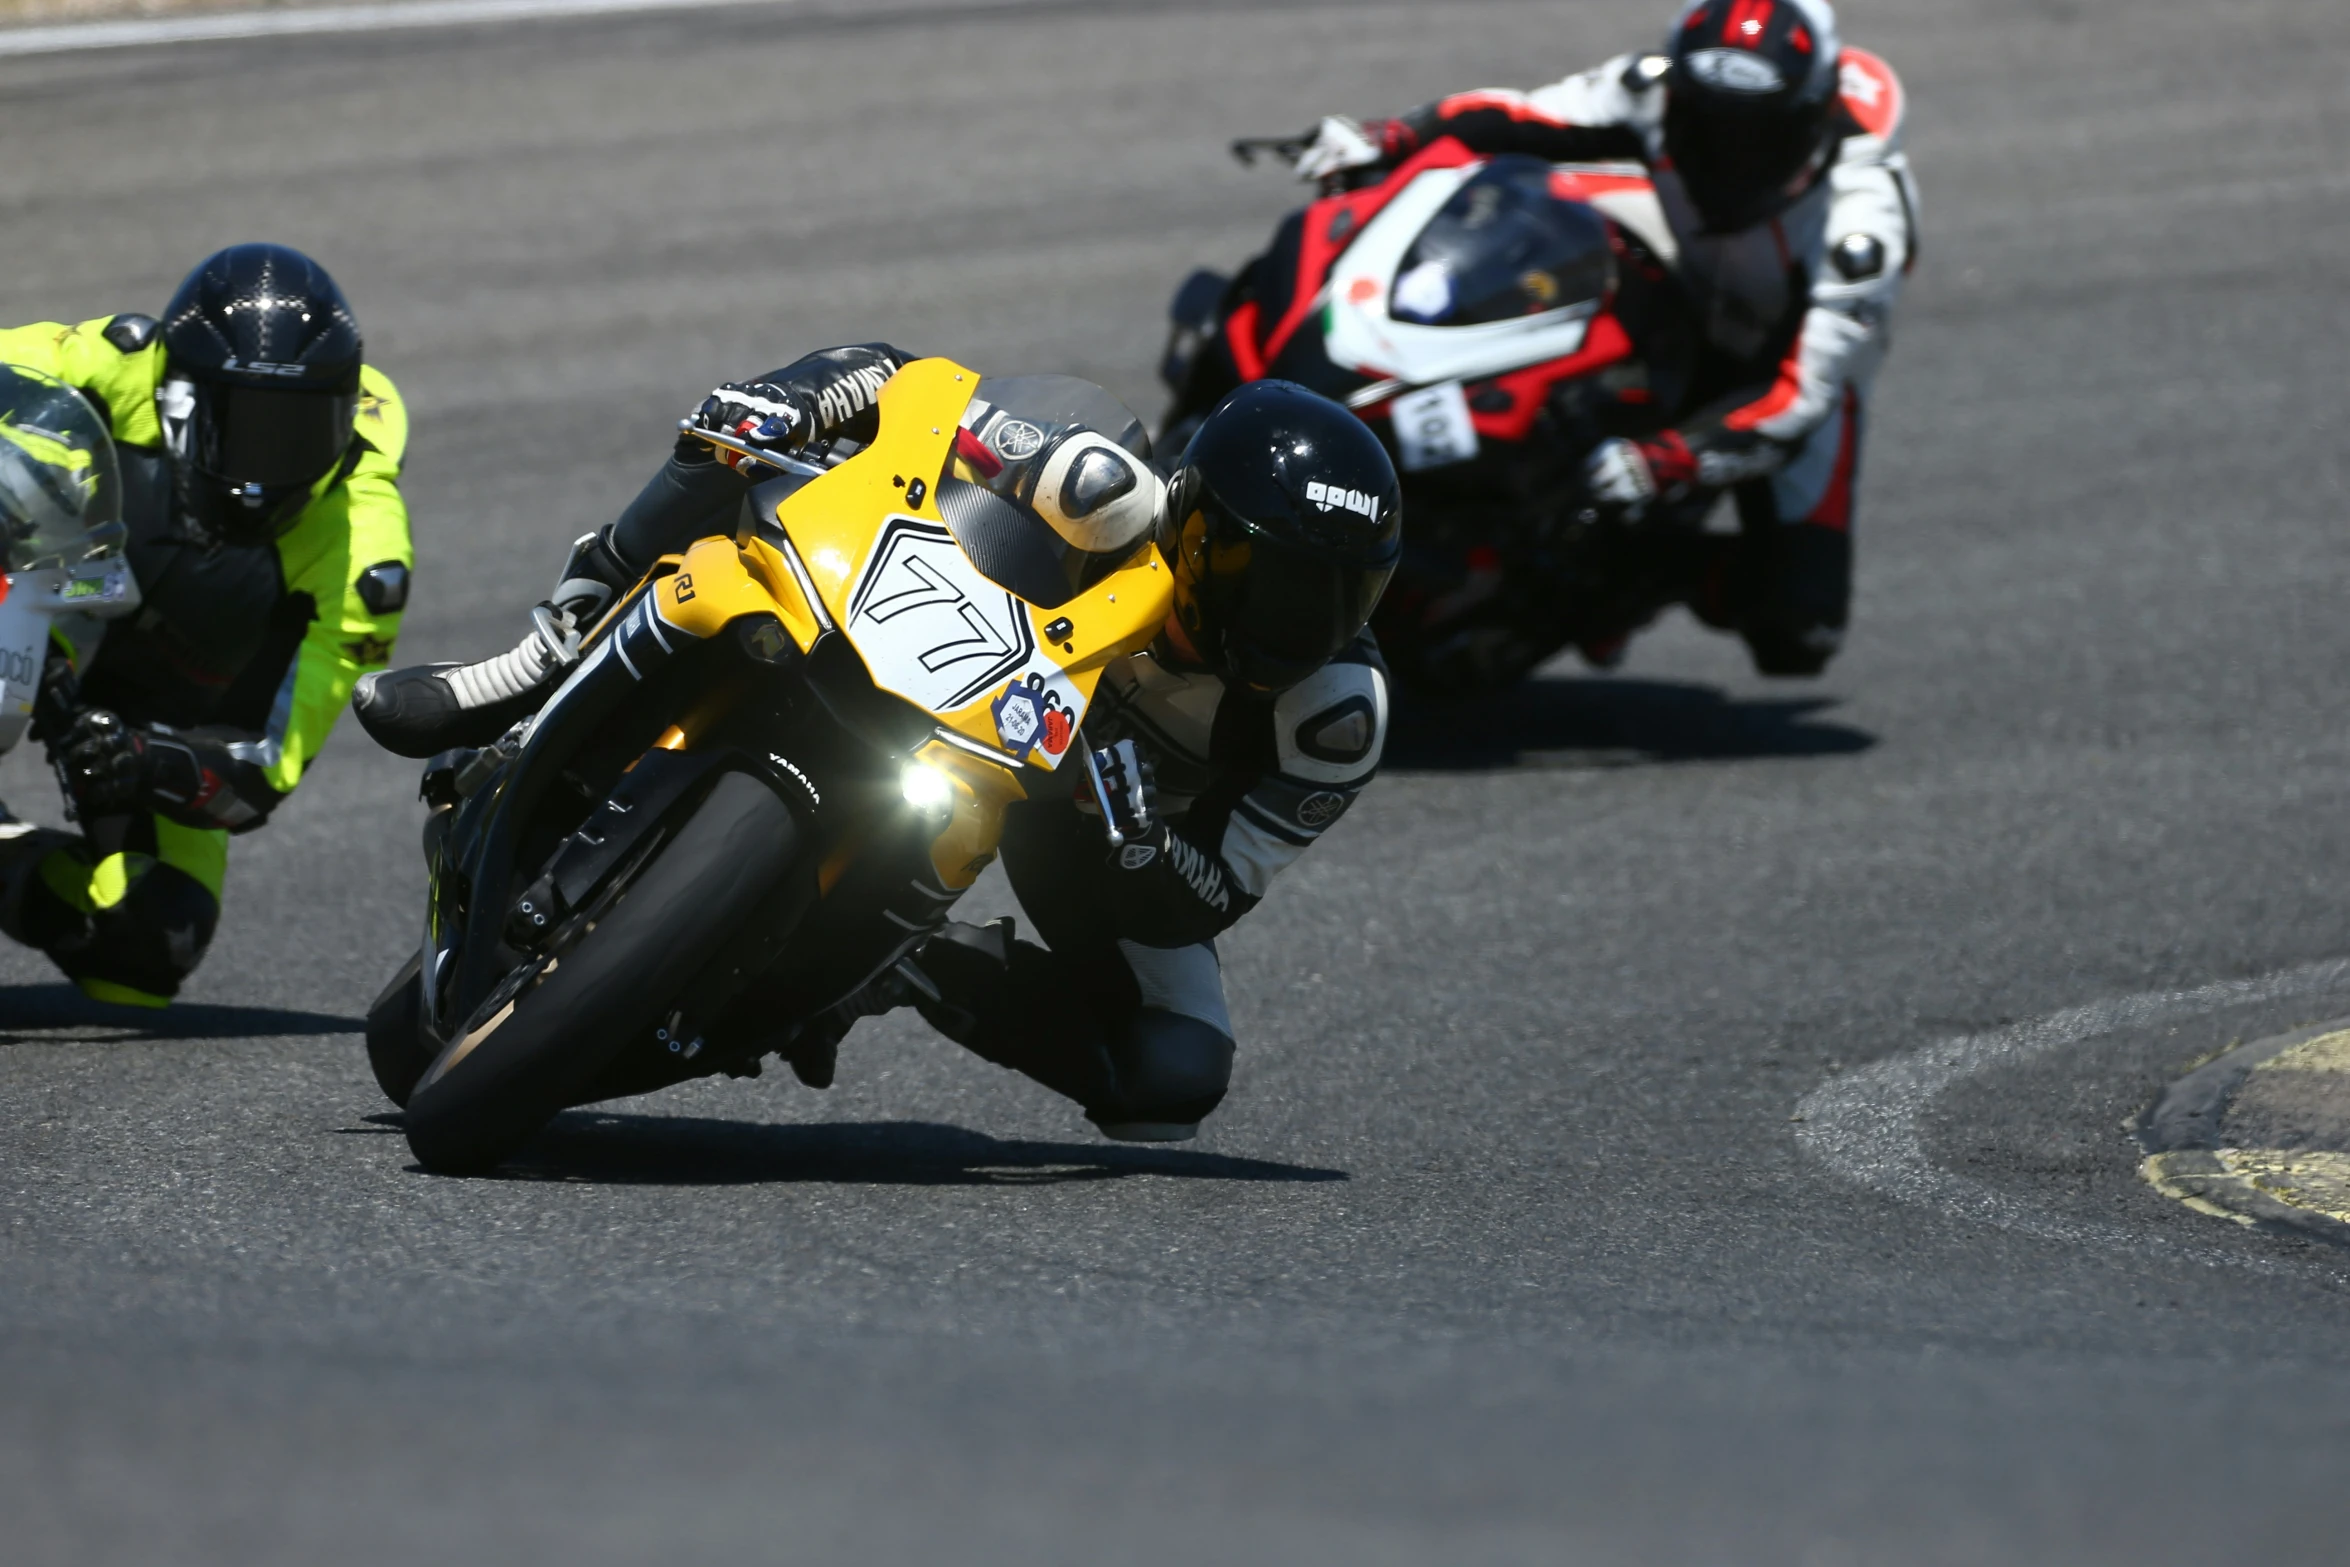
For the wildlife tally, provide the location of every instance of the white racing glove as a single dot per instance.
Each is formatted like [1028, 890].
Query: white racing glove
[1339, 145]
[1618, 477]
[759, 413]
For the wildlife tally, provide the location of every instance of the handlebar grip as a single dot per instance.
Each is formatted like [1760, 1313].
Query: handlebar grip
[781, 461]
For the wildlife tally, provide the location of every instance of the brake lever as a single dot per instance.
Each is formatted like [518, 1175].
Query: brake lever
[1121, 790]
[1101, 795]
[781, 462]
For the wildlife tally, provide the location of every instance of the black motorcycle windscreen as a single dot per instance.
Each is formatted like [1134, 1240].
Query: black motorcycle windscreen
[986, 492]
[1506, 245]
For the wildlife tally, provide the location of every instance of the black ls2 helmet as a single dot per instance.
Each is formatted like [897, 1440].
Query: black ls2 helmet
[1750, 104]
[1282, 526]
[260, 384]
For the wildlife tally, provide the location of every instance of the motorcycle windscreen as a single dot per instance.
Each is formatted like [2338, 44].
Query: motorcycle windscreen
[1505, 246]
[60, 486]
[1048, 487]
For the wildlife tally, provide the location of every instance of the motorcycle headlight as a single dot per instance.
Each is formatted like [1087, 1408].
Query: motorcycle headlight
[926, 789]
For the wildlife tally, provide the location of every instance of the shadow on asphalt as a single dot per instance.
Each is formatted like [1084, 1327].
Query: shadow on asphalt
[646, 1150]
[1608, 722]
[53, 1014]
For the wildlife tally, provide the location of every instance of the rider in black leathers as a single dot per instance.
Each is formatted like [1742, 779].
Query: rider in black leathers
[1261, 711]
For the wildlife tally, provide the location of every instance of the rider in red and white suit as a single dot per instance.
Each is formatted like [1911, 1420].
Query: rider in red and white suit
[1776, 157]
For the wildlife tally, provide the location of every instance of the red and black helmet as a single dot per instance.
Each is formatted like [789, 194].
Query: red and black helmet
[1750, 104]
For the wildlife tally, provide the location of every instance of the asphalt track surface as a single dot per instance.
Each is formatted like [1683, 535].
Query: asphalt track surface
[1506, 1247]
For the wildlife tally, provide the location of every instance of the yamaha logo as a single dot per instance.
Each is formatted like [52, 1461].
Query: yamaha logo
[1336, 497]
[1320, 810]
[1016, 440]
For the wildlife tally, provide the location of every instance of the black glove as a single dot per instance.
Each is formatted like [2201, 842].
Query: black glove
[102, 765]
[759, 413]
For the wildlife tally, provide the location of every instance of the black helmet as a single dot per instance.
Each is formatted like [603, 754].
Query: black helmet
[1282, 526]
[261, 380]
[1750, 104]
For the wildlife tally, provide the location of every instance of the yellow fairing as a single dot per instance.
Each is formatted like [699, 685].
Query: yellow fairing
[871, 538]
[983, 792]
[715, 584]
[887, 573]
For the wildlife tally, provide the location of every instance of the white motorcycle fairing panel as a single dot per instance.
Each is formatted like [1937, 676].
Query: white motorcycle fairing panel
[1364, 337]
[88, 594]
[24, 634]
[933, 630]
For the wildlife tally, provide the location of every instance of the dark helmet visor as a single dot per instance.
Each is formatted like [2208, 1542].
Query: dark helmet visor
[1736, 160]
[1285, 612]
[271, 437]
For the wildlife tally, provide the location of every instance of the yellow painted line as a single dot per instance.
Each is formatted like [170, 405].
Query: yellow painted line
[2316, 1180]
[2326, 1053]
[2286, 1122]
[2162, 1172]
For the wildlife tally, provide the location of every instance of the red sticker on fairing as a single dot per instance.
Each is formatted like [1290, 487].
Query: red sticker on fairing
[1029, 715]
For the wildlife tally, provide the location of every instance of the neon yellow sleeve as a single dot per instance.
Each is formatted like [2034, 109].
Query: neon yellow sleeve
[359, 524]
[122, 384]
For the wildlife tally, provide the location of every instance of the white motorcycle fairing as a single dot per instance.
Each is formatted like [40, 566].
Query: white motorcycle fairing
[1365, 337]
[85, 596]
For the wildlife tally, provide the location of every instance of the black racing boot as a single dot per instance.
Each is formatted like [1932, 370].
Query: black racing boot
[813, 1052]
[426, 709]
[45, 923]
[1146, 1076]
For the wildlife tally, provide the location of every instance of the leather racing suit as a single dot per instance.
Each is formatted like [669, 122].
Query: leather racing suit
[234, 669]
[1121, 1007]
[1796, 313]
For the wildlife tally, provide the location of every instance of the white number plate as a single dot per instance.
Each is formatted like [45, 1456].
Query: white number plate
[24, 636]
[936, 632]
[1433, 428]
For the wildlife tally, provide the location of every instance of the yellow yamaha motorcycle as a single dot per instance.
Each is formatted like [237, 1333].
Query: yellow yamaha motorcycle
[777, 763]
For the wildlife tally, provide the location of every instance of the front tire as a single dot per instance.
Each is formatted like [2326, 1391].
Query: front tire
[493, 1089]
[396, 1046]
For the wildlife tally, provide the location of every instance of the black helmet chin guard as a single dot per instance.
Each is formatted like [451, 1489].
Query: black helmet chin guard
[261, 383]
[1283, 524]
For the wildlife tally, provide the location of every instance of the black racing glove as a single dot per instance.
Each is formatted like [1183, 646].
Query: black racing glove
[1160, 888]
[102, 765]
[757, 413]
[111, 768]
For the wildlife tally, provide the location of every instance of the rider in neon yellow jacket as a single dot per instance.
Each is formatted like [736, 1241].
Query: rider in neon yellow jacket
[261, 461]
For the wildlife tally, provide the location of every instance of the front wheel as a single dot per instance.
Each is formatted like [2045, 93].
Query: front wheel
[494, 1088]
[395, 1032]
